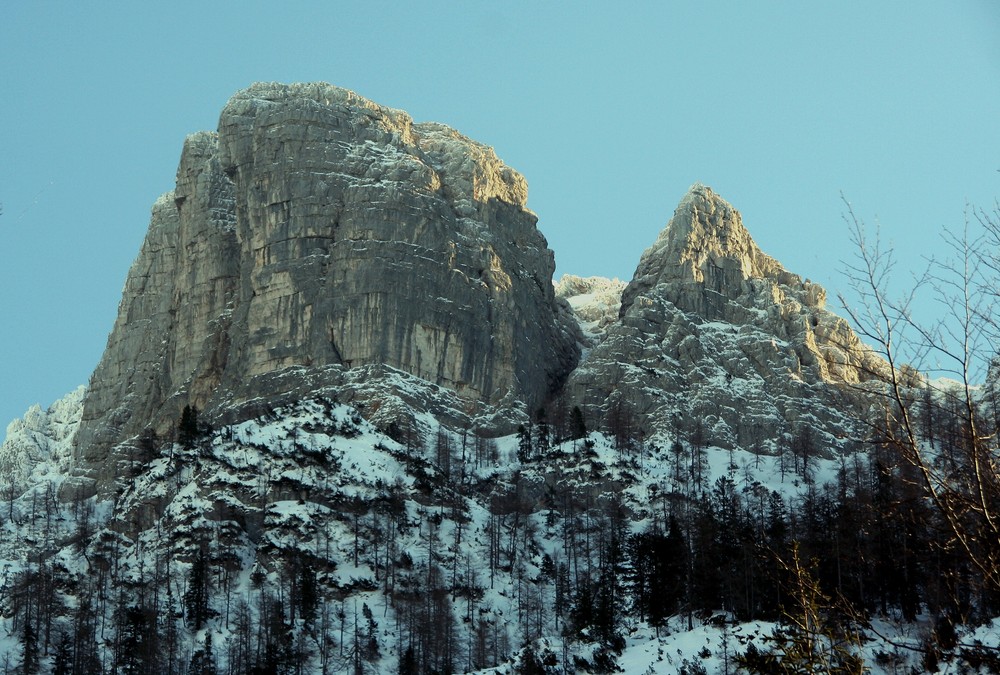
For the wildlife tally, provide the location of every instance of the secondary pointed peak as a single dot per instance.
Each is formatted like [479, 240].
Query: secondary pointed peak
[706, 243]
[708, 231]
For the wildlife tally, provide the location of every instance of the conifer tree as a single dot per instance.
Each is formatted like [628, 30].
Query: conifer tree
[658, 565]
[203, 660]
[196, 598]
[542, 432]
[29, 649]
[525, 448]
[307, 591]
[187, 428]
[408, 662]
[62, 660]
[577, 425]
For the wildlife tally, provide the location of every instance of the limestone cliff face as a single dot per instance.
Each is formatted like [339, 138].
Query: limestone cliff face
[318, 232]
[716, 338]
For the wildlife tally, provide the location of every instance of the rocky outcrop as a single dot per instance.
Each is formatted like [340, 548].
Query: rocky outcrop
[596, 302]
[39, 445]
[717, 340]
[318, 232]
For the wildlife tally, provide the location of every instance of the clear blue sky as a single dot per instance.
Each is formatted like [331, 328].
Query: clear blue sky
[611, 110]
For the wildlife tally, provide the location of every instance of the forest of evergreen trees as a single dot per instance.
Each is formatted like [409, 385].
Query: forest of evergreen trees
[581, 563]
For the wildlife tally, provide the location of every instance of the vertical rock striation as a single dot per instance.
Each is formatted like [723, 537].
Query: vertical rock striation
[318, 232]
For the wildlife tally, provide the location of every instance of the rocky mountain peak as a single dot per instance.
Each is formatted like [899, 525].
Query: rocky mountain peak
[318, 239]
[316, 233]
[715, 334]
[707, 254]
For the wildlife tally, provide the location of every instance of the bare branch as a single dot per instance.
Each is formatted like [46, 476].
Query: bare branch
[965, 491]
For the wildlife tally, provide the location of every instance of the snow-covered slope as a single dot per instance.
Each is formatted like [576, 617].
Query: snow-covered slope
[41, 442]
[595, 302]
[439, 549]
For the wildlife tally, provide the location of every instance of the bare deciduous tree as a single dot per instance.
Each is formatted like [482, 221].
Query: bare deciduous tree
[961, 475]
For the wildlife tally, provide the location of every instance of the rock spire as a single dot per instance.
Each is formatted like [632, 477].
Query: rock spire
[717, 339]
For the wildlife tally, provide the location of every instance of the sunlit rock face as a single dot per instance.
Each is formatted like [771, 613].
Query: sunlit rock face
[318, 231]
[718, 340]
[595, 302]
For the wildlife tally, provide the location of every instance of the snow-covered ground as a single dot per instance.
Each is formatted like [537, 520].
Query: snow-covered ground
[378, 519]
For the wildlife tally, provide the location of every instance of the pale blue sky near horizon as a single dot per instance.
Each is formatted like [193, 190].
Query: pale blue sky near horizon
[610, 110]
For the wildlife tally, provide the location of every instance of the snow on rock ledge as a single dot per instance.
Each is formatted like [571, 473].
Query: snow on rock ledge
[41, 442]
[595, 302]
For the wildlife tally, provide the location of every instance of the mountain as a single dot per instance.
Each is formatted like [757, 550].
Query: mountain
[314, 234]
[718, 340]
[346, 422]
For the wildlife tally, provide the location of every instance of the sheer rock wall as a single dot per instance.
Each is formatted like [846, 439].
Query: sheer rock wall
[317, 229]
